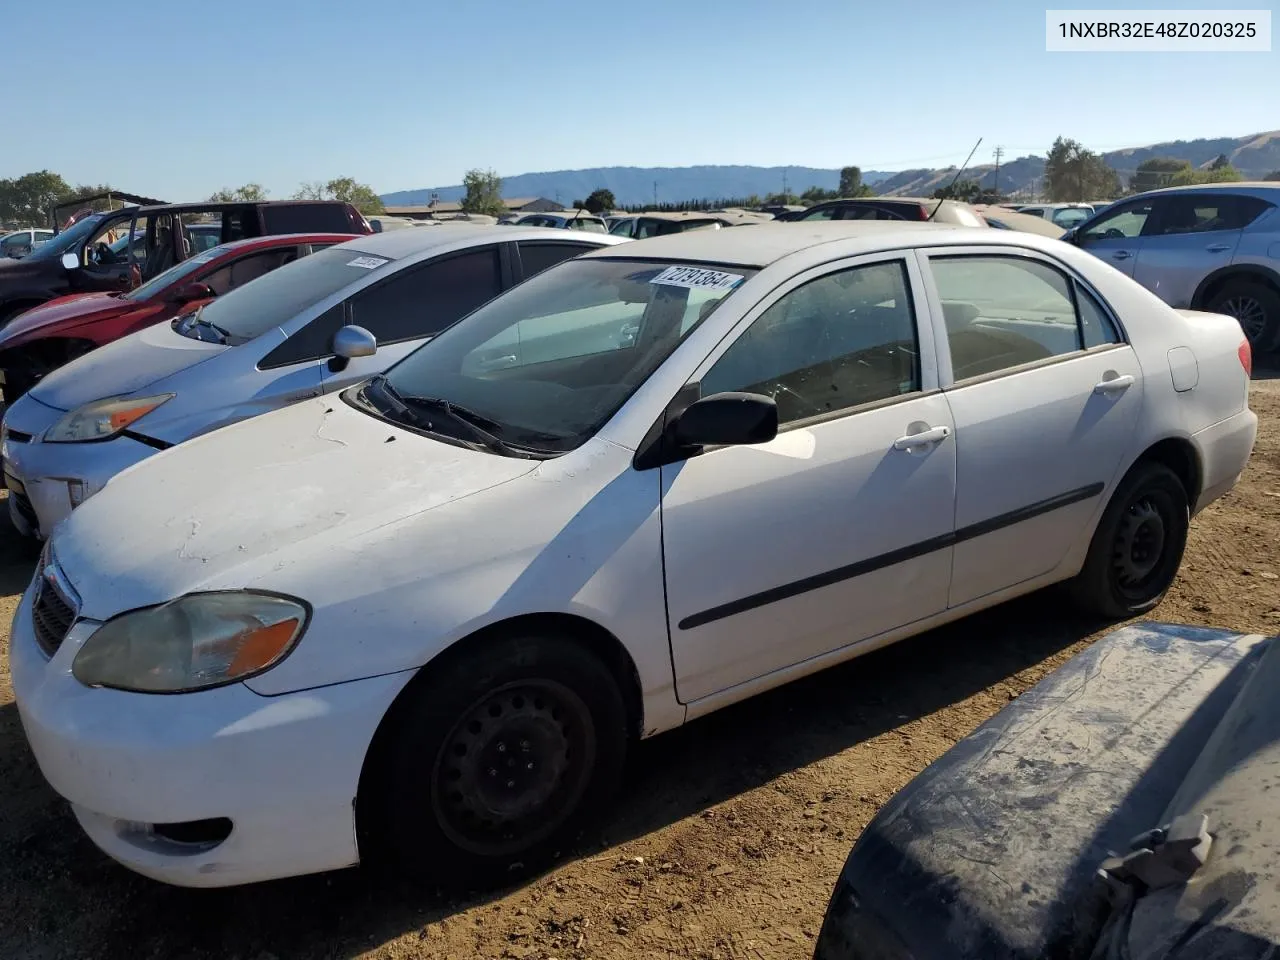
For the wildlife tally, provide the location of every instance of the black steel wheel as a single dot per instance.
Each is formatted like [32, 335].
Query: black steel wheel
[489, 763]
[513, 767]
[1137, 548]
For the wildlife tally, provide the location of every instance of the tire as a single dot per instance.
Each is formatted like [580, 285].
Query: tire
[1256, 306]
[1138, 545]
[492, 763]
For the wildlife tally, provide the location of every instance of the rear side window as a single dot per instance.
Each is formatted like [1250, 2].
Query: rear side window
[1249, 209]
[305, 218]
[1200, 213]
[422, 301]
[536, 257]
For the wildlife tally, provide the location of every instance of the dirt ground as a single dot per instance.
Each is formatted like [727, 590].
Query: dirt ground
[726, 844]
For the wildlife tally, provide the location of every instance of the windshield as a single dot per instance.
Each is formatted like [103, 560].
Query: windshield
[69, 240]
[174, 274]
[276, 297]
[545, 365]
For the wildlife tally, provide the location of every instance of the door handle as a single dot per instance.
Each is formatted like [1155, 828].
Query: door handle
[1121, 255]
[1217, 247]
[922, 439]
[1114, 384]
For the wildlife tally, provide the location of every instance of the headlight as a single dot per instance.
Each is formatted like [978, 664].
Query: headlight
[200, 640]
[102, 418]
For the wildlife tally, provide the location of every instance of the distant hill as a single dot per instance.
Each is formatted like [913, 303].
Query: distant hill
[633, 185]
[1254, 156]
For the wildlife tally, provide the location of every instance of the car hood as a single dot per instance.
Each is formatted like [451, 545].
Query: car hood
[123, 367]
[226, 508]
[57, 312]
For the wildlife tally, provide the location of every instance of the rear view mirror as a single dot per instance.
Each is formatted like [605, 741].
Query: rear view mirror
[195, 290]
[725, 419]
[70, 261]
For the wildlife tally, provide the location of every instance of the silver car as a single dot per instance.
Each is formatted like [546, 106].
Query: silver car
[1212, 247]
[311, 327]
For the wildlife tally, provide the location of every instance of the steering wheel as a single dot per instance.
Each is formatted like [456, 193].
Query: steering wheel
[102, 253]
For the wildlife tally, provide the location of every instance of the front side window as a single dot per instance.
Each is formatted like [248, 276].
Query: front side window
[549, 362]
[843, 340]
[421, 301]
[623, 228]
[255, 308]
[1124, 224]
[822, 213]
[1004, 311]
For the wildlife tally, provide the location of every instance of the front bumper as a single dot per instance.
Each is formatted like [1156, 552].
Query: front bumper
[42, 474]
[284, 770]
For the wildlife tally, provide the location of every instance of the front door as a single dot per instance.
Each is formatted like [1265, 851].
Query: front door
[838, 529]
[1045, 396]
[1117, 237]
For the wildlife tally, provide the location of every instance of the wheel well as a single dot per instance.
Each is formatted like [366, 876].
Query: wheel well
[1179, 456]
[593, 638]
[1213, 284]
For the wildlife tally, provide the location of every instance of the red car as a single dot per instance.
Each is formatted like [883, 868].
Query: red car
[45, 337]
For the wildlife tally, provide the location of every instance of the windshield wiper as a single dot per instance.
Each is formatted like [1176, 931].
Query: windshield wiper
[474, 423]
[195, 321]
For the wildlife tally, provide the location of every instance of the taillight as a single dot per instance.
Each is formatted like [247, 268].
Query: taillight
[1246, 357]
[924, 214]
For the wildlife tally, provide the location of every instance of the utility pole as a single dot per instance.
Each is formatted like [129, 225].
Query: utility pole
[655, 194]
[999, 152]
[784, 184]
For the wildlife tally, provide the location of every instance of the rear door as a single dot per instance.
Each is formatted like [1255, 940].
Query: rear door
[1045, 395]
[1117, 237]
[1192, 234]
[534, 256]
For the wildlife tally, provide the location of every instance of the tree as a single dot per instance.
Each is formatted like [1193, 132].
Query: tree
[1073, 173]
[249, 192]
[817, 195]
[1189, 176]
[484, 193]
[1273, 175]
[599, 201]
[966, 190]
[346, 189]
[1220, 161]
[1155, 173]
[851, 184]
[30, 199]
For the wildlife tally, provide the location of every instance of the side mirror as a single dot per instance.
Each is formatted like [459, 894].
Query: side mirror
[70, 261]
[727, 419]
[195, 290]
[350, 342]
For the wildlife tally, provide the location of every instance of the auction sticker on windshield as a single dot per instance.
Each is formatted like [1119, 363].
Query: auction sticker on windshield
[696, 278]
[368, 263]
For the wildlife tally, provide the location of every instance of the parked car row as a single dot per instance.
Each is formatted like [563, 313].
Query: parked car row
[394, 551]
[18, 243]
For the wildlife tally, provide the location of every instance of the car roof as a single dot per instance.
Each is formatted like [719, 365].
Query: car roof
[772, 241]
[1231, 185]
[398, 244]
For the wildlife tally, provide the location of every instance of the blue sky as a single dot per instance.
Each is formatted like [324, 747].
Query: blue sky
[177, 99]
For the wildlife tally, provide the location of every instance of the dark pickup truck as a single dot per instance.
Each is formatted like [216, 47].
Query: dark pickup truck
[1121, 808]
[81, 259]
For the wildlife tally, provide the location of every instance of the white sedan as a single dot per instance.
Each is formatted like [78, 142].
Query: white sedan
[423, 619]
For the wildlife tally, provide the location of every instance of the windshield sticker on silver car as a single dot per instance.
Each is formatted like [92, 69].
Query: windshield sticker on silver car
[367, 263]
[696, 278]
